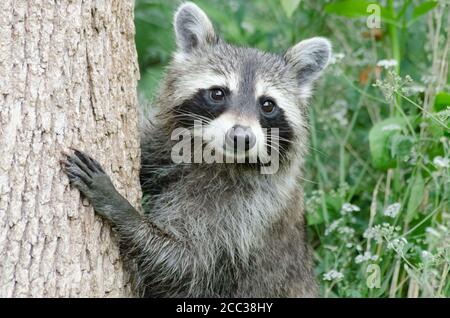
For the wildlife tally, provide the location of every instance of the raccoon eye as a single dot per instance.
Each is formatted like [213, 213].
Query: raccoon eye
[217, 94]
[268, 106]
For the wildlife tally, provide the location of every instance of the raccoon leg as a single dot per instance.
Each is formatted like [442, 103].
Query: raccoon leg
[87, 175]
[154, 252]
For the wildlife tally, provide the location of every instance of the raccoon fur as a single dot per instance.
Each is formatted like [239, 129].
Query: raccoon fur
[218, 229]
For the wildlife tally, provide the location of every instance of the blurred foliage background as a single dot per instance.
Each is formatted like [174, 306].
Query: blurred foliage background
[377, 188]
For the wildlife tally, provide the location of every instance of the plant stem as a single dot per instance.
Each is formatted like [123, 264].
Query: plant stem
[342, 175]
[443, 279]
[395, 43]
[321, 171]
[393, 33]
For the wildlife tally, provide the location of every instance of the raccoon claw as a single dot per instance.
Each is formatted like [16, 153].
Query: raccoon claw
[81, 169]
[88, 176]
[89, 163]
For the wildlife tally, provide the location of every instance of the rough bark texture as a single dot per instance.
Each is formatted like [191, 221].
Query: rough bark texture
[68, 76]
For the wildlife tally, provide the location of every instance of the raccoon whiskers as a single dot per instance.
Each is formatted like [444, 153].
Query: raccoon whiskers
[284, 140]
[183, 114]
[277, 148]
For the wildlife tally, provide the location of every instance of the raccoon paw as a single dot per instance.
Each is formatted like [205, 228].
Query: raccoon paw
[88, 176]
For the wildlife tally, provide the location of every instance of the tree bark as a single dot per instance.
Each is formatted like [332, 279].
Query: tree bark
[68, 74]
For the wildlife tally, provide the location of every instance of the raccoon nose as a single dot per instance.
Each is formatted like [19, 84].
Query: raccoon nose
[240, 136]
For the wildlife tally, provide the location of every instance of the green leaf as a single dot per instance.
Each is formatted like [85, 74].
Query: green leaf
[334, 203]
[420, 10]
[442, 101]
[401, 146]
[314, 217]
[380, 142]
[415, 198]
[356, 9]
[289, 6]
[349, 8]
[423, 8]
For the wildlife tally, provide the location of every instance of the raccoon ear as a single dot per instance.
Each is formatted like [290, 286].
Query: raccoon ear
[193, 29]
[309, 57]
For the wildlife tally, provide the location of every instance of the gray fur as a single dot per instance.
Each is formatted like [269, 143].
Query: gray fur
[193, 30]
[215, 230]
[309, 57]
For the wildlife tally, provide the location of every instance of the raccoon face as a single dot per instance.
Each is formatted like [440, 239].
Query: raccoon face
[249, 103]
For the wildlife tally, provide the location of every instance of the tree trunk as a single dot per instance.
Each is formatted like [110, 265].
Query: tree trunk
[68, 74]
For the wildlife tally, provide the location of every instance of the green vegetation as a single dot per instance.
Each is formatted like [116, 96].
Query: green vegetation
[378, 182]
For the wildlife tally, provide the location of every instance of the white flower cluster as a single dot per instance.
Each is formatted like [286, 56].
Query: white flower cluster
[441, 162]
[414, 89]
[387, 63]
[367, 256]
[397, 244]
[346, 230]
[426, 255]
[381, 232]
[336, 57]
[332, 227]
[439, 257]
[348, 208]
[313, 201]
[433, 232]
[333, 275]
[393, 84]
[392, 210]
[339, 111]
[439, 235]
[429, 79]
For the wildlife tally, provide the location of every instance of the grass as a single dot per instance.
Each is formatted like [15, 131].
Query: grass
[378, 195]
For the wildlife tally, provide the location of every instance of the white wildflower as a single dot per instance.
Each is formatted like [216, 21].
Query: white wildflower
[441, 162]
[346, 230]
[425, 255]
[397, 244]
[442, 115]
[414, 89]
[349, 208]
[332, 227]
[336, 57]
[339, 111]
[381, 232]
[387, 63]
[429, 79]
[367, 256]
[392, 210]
[433, 232]
[333, 275]
[248, 27]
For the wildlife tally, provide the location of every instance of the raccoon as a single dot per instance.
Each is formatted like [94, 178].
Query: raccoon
[220, 229]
